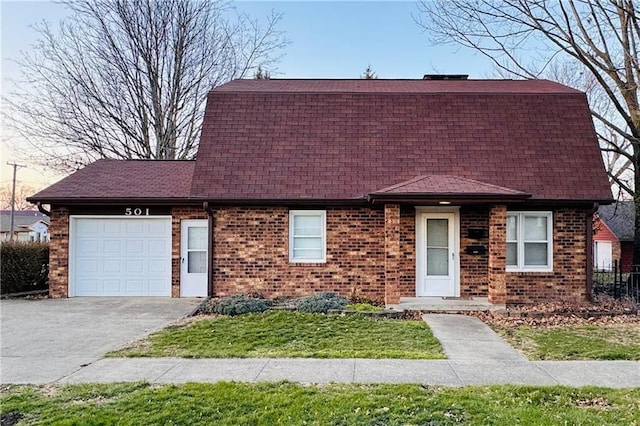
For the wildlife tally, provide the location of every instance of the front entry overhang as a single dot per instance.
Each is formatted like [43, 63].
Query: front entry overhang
[445, 190]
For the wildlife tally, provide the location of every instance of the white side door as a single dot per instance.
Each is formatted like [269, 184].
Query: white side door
[193, 258]
[437, 255]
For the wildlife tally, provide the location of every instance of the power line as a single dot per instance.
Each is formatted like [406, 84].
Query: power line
[13, 196]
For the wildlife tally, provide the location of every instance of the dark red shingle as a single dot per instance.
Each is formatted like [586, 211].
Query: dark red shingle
[123, 179]
[344, 139]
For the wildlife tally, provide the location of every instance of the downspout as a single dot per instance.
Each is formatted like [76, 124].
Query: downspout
[589, 250]
[209, 210]
[43, 210]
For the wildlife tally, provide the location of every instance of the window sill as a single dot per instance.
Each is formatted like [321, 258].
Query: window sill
[308, 262]
[530, 270]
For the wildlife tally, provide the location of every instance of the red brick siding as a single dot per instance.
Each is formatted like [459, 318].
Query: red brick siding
[392, 253]
[59, 253]
[178, 214]
[474, 267]
[251, 253]
[407, 284]
[568, 280]
[498, 292]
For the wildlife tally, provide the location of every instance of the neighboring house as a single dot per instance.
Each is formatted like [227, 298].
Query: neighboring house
[614, 239]
[391, 188]
[606, 246]
[28, 225]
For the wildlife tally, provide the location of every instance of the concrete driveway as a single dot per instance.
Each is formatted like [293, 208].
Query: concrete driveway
[46, 340]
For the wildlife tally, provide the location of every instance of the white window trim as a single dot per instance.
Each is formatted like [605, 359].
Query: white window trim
[323, 215]
[521, 267]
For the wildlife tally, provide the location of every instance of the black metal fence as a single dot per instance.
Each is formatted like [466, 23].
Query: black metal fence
[616, 283]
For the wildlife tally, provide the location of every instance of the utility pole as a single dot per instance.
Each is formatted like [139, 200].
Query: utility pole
[13, 197]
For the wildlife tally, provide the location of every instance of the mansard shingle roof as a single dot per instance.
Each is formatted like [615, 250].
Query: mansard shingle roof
[346, 139]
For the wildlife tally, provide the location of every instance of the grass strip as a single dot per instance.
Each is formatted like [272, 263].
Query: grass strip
[293, 404]
[291, 334]
[580, 342]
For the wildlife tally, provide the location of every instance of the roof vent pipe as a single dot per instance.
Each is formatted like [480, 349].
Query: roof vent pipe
[445, 76]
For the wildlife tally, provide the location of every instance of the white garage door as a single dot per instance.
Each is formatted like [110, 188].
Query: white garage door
[120, 256]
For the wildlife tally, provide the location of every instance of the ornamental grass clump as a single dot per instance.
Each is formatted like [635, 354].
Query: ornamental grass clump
[322, 303]
[240, 304]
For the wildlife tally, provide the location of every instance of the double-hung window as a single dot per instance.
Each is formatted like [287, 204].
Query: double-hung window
[307, 236]
[530, 241]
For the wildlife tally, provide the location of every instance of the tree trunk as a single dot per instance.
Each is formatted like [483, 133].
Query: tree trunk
[636, 202]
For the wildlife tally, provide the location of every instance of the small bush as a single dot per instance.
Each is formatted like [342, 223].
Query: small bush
[364, 307]
[240, 304]
[322, 303]
[24, 267]
[207, 306]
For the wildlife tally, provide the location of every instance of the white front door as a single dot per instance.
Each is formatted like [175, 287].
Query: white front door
[436, 253]
[193, 261]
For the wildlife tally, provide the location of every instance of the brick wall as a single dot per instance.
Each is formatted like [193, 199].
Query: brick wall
[178, 214]
[567, 281]
[474, 267]
[251, 253]
[392, 253]
[59, 253]
[497, 254]
[407, 284]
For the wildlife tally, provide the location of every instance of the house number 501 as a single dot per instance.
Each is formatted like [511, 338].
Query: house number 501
[136, 211]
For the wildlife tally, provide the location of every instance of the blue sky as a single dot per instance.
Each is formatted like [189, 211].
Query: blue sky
[334, 39]
[329, 39]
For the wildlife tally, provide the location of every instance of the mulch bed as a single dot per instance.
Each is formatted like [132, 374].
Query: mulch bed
[604, 311]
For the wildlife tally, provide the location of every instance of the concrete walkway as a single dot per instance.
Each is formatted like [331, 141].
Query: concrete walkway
[477, 356]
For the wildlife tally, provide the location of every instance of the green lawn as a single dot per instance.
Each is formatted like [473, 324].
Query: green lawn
[293, 404]
[594, 342]
[291, 334]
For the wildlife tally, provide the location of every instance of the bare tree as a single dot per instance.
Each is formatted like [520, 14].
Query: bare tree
[128, 78]
[597, 40]
[22, 192]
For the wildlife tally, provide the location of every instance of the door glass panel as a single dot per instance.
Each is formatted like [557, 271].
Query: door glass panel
[437, 261]
[437, 247]
[197, 262]
[438, 233]
[197, 237]
[535, 228]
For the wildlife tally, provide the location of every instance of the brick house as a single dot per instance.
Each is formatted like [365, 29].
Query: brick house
[388, 188]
